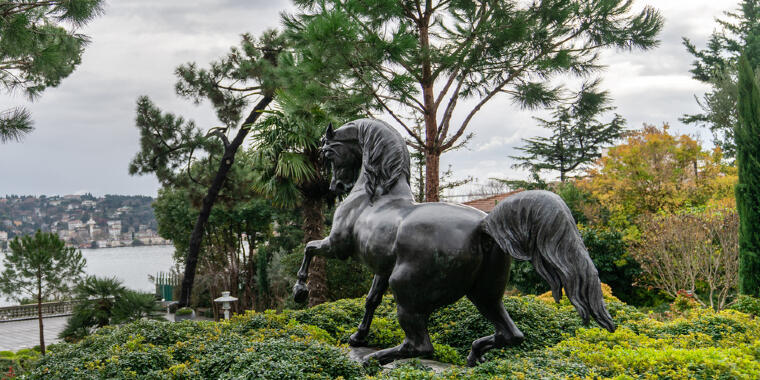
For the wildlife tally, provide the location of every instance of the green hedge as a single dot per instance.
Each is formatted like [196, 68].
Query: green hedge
[310, 343]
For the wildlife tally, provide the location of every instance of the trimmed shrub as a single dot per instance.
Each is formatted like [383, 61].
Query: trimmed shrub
[747, 304]
[696, 343]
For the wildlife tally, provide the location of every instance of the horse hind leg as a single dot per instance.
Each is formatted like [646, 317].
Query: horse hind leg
[374, 298]
[507, 333]
[416, 343]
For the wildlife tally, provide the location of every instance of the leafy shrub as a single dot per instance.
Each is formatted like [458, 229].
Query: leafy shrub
[184, 311]
[696, 343]
[17, 363]
[275, 349]
[747, 304]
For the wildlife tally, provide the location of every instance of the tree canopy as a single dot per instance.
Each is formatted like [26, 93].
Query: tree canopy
[39, 47]
[748, 188]
[655, 171]
[170, 145]
[419, 59]
[716, 65]
[577, 136]
[40, 266]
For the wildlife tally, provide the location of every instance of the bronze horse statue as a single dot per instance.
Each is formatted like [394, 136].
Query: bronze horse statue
[432, 254]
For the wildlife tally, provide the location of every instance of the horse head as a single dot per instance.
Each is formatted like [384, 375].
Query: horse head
[343, 153]
[366, 148]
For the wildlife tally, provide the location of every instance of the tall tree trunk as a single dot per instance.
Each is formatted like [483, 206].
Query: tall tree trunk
[432, 161]
[432, 153]
[228, 158]
[313, 227]
[39, 313]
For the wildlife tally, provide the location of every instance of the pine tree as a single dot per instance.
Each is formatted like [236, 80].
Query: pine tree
[39, 47]
[171, 144]
[748, 188]
[418, 59]
[716, 65]
[577, 136]
[40, 266]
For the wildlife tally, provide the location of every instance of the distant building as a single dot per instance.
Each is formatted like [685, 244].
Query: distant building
[91, 226]
[74, 224]
[487, 204]
[89, 204]
[114, 229]
[3, 236]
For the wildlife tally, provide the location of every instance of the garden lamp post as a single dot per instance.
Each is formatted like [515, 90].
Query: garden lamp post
[225, 299]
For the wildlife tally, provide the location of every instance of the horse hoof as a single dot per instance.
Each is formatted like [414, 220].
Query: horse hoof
[300, 293]
[473, 360]
[355, 341]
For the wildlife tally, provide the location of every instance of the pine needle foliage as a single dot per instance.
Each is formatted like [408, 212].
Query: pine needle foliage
[14, 124]
[171, 146]
[40, 266]
[748, 188]
[418, 59]
[577, 136]
[716, 65]
[39, 47]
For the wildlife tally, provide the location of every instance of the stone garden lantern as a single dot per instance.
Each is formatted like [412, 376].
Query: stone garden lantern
[225, 299]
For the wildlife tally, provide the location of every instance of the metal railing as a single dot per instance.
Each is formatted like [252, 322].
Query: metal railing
[49, 309]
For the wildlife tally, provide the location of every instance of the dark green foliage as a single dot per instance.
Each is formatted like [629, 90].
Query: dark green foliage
[616, 267]
[242, 236]
[37, 50]
[147, 349]
[170, 146]
[577, 138]
[105, 301]
[542, 323]
[609, 253]
[421, 58]
[302, 344]
[716, 65]
[14, 124]
[42, 267]
[746, 304]
[17, 363]
[748, 188]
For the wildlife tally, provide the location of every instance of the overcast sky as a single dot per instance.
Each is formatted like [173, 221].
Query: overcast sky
[85, 134]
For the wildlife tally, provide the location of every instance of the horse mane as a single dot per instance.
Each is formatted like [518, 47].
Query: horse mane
[385, 158]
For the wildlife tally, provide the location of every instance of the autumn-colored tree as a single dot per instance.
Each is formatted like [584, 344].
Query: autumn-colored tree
[655, 171]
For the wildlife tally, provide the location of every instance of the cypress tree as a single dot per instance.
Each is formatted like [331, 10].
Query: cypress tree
[747, 137]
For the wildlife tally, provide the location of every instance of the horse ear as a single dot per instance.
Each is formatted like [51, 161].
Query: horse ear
[330, 133]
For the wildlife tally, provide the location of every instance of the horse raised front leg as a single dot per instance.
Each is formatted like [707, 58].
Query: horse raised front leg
[374, 297]
[314, 247]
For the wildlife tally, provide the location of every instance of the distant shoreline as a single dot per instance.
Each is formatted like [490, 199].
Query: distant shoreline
[131, 246]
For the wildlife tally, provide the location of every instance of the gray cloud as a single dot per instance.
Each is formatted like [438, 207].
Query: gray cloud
[85, 134]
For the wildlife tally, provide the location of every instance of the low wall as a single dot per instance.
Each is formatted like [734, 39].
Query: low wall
[49, 309]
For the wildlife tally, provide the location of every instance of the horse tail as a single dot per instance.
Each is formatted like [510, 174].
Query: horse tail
[538, 226]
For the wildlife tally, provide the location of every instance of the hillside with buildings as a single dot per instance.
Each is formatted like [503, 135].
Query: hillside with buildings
[82, 221]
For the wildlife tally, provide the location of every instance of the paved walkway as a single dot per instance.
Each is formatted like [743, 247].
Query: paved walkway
[26, 334]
